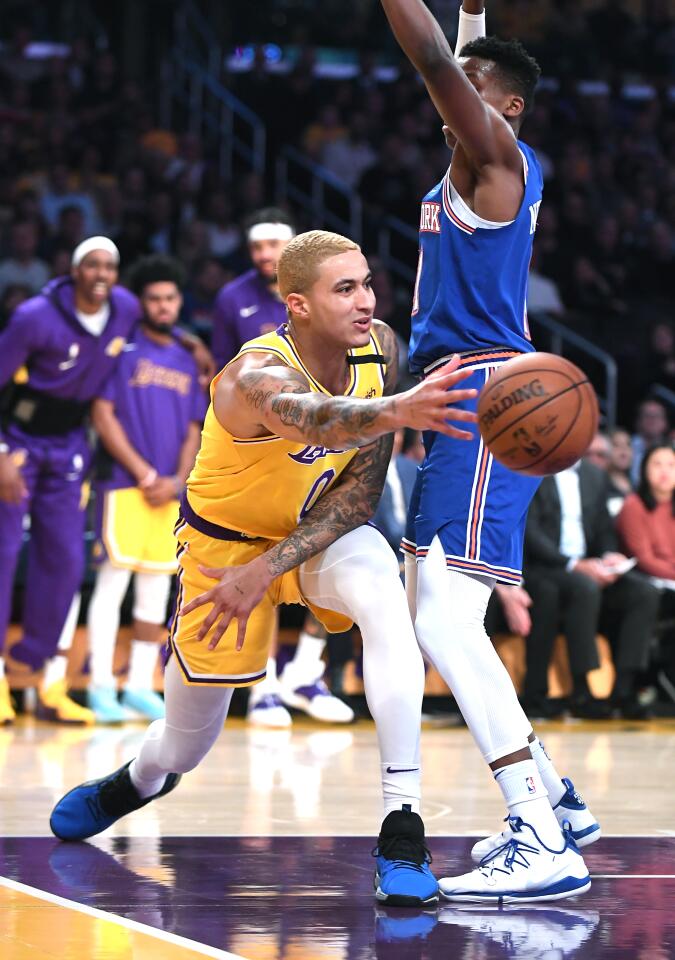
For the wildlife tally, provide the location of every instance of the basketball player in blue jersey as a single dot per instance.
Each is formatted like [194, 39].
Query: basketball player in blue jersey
[466, 524]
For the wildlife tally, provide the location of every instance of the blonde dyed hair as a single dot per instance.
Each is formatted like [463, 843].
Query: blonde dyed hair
[299, 263]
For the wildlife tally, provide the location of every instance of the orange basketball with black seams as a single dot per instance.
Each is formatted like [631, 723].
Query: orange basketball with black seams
[537, 414]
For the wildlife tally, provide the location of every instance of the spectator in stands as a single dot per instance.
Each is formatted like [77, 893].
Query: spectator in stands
[573, 572]
[646, 527]
[387, 187]
[60, 195]
[22, 267]
[250, 305]
[618, 471]
[349, 157]
[543, 295]
[209, 276]
[651, 427]
[224, 234]
[12, 296]
[660, 364]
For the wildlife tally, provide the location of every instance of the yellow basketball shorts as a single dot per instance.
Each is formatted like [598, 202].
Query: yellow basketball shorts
[137, 536]
[225, 665]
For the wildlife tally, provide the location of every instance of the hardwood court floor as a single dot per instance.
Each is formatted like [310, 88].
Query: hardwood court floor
[263, 852]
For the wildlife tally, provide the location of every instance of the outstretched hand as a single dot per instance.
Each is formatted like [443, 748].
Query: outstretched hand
[428, 406]
[238, 592]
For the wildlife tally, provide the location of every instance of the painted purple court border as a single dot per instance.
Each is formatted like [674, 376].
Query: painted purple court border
[317, 891]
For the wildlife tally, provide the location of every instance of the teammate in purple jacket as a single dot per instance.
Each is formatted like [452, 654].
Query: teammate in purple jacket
[59, 348]
[250, 305]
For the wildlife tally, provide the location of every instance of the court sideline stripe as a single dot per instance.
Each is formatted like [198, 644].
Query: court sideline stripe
[135, 925]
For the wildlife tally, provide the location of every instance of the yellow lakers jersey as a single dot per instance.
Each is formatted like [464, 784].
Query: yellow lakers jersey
[263, 487]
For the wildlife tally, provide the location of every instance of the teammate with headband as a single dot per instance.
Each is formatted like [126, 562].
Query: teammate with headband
[57, 351]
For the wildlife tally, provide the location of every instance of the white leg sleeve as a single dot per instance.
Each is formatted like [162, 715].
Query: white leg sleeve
[358, 575]
[449, 624]
[151, 595]
[103, 621]
[194, 719]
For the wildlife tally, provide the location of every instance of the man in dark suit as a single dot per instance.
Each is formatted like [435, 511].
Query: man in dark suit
[573, 575]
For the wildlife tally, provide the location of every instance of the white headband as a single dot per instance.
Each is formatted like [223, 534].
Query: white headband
[270, 231]
[94, 243]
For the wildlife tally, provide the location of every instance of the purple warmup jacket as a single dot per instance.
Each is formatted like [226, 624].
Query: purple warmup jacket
[244, 309]
[61, 357]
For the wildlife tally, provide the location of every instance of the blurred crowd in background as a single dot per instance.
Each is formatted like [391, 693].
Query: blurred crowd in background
[83, 151]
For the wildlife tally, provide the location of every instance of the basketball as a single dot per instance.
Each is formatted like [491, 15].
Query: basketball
[537, 414]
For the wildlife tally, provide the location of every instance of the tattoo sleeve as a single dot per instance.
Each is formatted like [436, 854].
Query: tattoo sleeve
[354, 499]
[281, 399]
[347, 505]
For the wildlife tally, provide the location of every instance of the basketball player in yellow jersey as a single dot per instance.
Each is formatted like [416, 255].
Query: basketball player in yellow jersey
[292, 464]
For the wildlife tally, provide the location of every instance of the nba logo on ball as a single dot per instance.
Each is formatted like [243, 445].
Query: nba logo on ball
[537, 414]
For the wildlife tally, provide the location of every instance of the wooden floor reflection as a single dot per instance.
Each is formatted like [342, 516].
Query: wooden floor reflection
[220, 868]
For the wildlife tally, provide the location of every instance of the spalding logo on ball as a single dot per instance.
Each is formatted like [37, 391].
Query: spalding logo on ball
[537, 414]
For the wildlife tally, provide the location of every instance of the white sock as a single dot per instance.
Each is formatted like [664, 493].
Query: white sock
[2, 668]
[526, 797]
[548, 773]
[269, 685]
[307, 659]
[57, 666]
[142, 665]
[55, 670]
[103, 622]
[400, 784]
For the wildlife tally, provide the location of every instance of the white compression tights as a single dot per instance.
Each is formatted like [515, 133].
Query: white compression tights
[449, 610]
[357, 576]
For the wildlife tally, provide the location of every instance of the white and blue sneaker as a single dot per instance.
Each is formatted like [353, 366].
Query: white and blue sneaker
[570, 809]
[95, 805]
[148, 703]
[522, 870]
[268, 711]
[107, 708]
[402, 876]
[537, 932]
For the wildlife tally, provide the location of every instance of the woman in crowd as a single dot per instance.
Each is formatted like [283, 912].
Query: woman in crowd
[646, 526]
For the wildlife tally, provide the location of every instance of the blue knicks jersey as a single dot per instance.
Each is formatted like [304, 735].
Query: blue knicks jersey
[471, 287]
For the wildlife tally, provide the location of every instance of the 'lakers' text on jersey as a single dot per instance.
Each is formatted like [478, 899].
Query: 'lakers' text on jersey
[471, 285]
[264, 486]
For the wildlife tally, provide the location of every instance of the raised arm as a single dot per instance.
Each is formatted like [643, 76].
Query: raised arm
[471, 23]
[256, 397]
[485, 136]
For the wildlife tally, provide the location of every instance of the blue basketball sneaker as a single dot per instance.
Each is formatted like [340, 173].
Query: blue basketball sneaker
[403, 877]
[97, 804]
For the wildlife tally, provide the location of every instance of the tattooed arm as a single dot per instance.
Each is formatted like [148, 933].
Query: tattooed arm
[257, 396]
[352, 501]
[347, 505]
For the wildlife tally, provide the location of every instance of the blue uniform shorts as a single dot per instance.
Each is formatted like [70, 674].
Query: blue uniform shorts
[476, 506]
